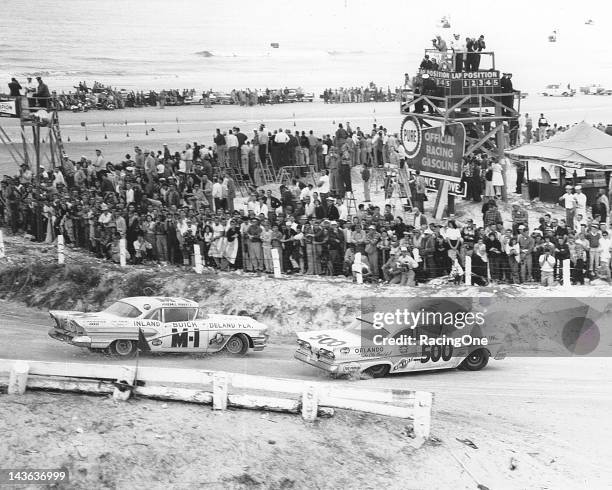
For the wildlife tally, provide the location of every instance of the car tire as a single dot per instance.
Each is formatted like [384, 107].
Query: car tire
[564, 94]
[201, 102]
[476, 361]
[378, 371]
[124, 348]
[237, 345]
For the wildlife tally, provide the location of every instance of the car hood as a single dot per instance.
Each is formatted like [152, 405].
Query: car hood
[318, 338]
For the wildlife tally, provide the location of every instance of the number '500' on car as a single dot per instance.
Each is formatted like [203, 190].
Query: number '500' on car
[351, 351]
[158, 324]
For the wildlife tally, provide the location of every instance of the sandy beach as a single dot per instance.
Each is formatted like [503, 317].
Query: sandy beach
[108, 130]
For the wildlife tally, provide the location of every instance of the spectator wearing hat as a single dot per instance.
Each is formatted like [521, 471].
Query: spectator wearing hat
[14, 88]
[580, 200]
[605, 251]
[98, 163]
[508, 90]
[526, 245]
[520, 216]
[458, 47]
[142, 249]
[547, 267]
[407, 265]
[254, 246]
[568, 202]
[43, 95]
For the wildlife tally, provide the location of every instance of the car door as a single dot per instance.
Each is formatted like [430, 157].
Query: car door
[152, 322]
[433, 355]
[406, 356]
[181, 330]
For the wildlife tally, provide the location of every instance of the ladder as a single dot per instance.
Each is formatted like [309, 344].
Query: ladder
[267, 170]
[241, 183]
[284, 176]
[404, 182]
[351, 203]
[57, 136]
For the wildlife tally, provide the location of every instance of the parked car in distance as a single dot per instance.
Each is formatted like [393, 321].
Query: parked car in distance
[558, 90]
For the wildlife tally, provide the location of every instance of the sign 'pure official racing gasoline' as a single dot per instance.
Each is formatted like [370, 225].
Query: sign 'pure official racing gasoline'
[434, 153]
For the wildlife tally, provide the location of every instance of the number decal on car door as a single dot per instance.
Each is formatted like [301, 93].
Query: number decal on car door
[434, 353]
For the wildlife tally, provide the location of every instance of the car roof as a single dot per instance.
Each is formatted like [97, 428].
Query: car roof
[141, 302]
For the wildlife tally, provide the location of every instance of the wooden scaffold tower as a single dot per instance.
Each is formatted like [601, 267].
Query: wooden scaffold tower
[465, 88]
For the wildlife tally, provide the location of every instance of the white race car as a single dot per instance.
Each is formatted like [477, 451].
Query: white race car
[159, 324]
[352, 351]
[558, 90]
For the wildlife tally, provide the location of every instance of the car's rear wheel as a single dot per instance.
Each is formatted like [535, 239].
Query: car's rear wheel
[378, 371]
[238, 345]
[124, 348]
[475, 361]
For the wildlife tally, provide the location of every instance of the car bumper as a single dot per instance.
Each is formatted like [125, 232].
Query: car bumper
[499, 356]
[316, 362]
[62, 336]
[259, 343]
[326, 364]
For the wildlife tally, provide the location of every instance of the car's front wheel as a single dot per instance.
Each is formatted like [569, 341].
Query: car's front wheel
[124, 348]
[475, 361]
[238, 345]
[378, 371]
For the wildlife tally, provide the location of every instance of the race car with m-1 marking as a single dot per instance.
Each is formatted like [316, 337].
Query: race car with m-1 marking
[164, 324]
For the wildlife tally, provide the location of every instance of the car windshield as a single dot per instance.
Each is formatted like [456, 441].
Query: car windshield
[123, 309]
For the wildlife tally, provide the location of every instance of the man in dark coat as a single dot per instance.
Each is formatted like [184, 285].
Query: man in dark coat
[479, 45]
[42, 93]
[15, 88]
[506, 88]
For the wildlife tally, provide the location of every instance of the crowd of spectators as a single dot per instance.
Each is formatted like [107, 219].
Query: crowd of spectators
[370, 93]
[100, 96]
[542, 129]
[162, 203]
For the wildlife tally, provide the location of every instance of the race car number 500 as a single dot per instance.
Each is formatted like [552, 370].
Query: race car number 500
[325, 340]
[434, 353]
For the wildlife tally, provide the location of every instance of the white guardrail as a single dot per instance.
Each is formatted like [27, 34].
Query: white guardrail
[219, 389]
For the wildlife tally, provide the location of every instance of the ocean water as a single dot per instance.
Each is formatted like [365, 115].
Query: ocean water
[154, 44]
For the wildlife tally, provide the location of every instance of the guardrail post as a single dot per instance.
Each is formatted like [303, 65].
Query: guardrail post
[468, 270]
[18, 378]
[60, 249]
[197, 259]
[276, 263]
[566, 274]
[219, 384]
[122, 252]
[310, 402]
[128, 381]
[422, 414]
[358, 268]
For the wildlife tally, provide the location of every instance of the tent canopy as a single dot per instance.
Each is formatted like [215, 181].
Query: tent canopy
[581, 146]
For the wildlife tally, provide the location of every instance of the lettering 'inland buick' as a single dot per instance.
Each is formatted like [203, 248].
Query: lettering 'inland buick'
[160, 325]
[356, 350]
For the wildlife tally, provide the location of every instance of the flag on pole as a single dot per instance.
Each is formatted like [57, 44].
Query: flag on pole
[143, 344]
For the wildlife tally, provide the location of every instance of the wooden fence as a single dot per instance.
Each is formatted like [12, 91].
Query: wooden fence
[220, 389]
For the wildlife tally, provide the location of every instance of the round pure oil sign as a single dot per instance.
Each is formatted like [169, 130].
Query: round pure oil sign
[411, 136]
